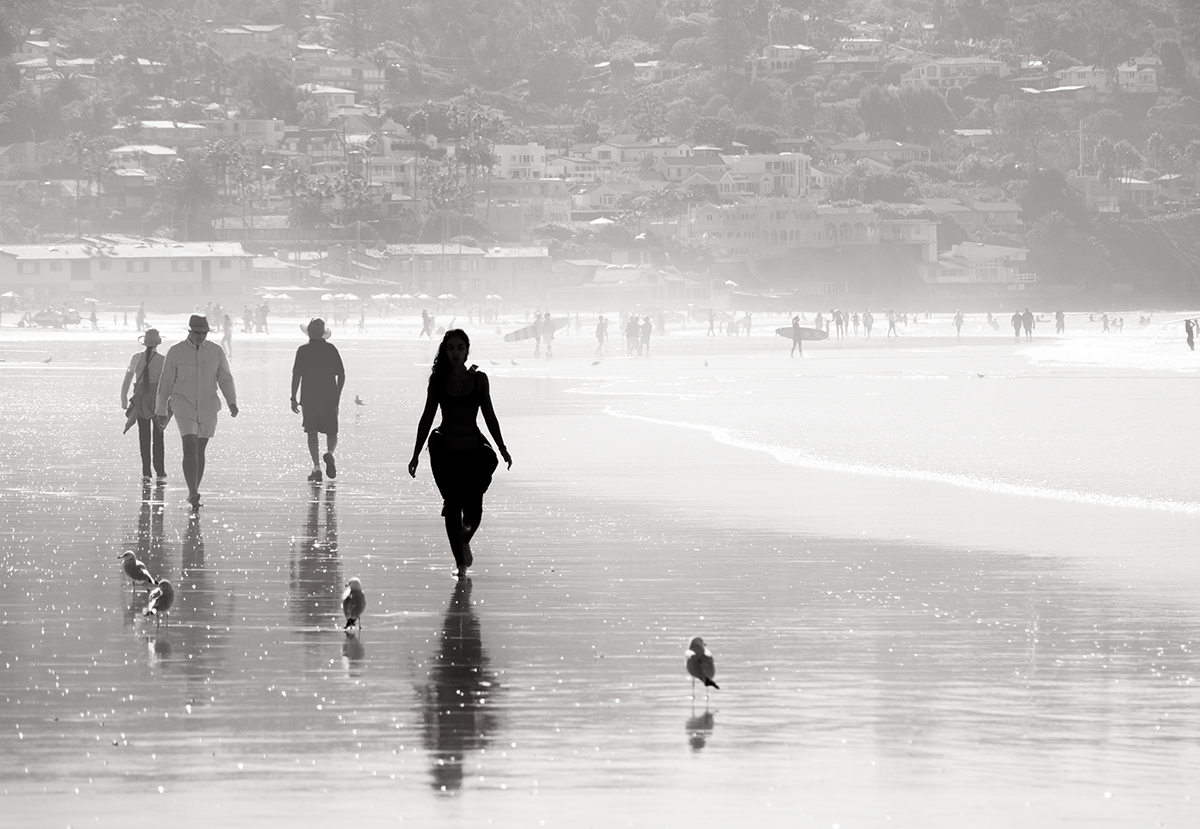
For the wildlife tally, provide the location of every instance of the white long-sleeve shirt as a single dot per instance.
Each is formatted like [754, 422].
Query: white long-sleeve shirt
[190, 378]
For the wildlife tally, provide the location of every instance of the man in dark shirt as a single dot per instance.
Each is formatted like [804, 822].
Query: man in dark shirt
[319, 368]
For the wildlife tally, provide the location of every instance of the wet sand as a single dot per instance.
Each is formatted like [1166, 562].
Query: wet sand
[891, 652]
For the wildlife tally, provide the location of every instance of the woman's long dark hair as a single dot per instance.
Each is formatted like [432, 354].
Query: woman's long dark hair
[441, 363]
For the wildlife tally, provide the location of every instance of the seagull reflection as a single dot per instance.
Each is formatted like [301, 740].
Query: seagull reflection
[159, 647]
[316, 579]
[353, 654]
[457, 715]
[699, 729]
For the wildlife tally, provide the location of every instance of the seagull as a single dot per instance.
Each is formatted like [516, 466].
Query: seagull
[48, 359]
[493, 362]
[706, 363]
[161, 599]
[358, 401]
[700, 665]
[596, 363]
[353, 603]
[136, 570]
[514, 362]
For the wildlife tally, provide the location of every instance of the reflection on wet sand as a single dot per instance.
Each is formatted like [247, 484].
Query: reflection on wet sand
[353, 654]
[147, 545]
[316, 566]
[699, 728]
[203, 626]
[457, 713]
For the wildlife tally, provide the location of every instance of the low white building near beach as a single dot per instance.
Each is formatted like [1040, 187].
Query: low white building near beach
[125, 269]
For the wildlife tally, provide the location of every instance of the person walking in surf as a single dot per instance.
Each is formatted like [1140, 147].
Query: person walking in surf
[460, 457]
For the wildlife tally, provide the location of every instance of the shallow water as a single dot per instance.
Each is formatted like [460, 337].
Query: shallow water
[866, 681]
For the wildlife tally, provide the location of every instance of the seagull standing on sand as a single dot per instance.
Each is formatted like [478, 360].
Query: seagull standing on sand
[353, 603]
[161, 599]
[700, 666]
[358, 401]
[136, 570]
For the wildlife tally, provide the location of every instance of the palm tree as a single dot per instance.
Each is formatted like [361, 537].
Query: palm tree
[189, 193]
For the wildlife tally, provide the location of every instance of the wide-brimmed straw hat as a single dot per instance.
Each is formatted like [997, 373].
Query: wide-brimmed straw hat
[315, 329]
[151, 338]
[198, 323]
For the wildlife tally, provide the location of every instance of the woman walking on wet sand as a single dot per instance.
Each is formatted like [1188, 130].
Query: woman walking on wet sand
[460, 457]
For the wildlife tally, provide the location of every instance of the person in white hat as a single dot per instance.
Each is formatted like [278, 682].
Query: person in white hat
[143, 374]
[319, 376]
[191, 374]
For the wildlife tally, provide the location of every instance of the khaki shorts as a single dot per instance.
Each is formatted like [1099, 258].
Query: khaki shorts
[201, 429]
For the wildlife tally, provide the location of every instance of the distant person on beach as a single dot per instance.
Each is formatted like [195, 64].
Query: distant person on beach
[1104, 321]
[868, 322]
[712, 321]
[144, 372]
[319, 376]
[854, 318]
[1027, 323]
[227, 337]
[633, 337]
[797, 344]
[193, 371]
[1120, 325]
[601, 335]
[992, 322]
[141, 317]
[1189, 328]
[958, 321]
[746, 322]
[426, 325]
[461, 458]
[891, 318]
[1060, 322]
[647, 328]
[548, 333]
[1016, 325]
[819, 322]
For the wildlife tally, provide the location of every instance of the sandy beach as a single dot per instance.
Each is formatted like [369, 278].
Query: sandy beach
[946, 585]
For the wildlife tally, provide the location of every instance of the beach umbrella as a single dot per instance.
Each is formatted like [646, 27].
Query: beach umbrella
[282, 296]
[91, 300]
[602, 221]
[447, 296]
[9, 295]
[402, 296]
[327, 297]
[381, 296]
[423, 296]
[351, 297]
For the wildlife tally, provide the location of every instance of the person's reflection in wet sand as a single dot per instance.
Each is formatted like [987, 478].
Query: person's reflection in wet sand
[148, 545]
[199, 625]
[699, 728]
[457, 713]
[315, 566]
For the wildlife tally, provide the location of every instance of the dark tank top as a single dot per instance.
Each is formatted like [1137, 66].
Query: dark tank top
[471, 400]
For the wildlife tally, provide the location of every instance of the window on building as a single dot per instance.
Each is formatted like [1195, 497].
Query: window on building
[137, 266]
[56, 265]
[29, 267]
[181, 265]
[105, 265]
[223, 264]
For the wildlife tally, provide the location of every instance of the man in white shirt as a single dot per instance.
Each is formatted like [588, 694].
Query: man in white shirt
[191, 374]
